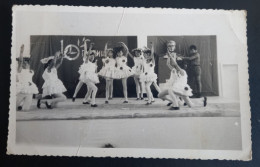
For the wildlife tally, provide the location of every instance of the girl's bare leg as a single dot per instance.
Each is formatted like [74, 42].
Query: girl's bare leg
[79, 85]
[111, 88]
[94, 89]
[164, 95]
[88, 94]
[59, 97]
[27, 102]
[174, 98]
[156, 87]
[141, 89]
[124, 82]
[148, 91]
[107, 88]
[137, 86]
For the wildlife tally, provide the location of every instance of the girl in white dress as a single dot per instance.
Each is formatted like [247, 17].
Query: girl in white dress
[149, 77]
[90, 76]
[108, 71]
[138, 69]
[81, 73]
[178, 87]
[122, 70]
[53, 87]
[24, 85]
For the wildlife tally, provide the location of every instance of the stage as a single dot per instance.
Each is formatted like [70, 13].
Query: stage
[116, 109]
[132, 125]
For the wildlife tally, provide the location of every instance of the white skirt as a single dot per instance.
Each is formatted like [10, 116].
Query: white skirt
[26, 88]
[148, 77]
[123, 72]
[107, 72]
[137, 70]
[89, 77]
[51, 87]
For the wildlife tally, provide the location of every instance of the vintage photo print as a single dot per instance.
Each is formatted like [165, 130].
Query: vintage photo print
[129, 82]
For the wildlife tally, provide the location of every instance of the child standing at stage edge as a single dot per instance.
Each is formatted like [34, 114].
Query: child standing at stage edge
[138, 69]
[25, 86]
[122, 70]
[148, 76]
[53, 87]
[90, 76]
[195, 70]
[108, 71]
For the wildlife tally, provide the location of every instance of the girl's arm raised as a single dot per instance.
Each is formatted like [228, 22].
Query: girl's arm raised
[152, 53]
[60, 60]
[20, 59]
[126, 48]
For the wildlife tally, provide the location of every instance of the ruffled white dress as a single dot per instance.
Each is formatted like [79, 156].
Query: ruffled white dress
[138, 67]
[148, 75]
[52, 84]
[108, 70]
[25, 84]
[122, 70]
[89, 73]
[178, 84]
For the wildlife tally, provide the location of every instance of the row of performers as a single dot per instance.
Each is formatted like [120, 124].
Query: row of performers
[114, 67]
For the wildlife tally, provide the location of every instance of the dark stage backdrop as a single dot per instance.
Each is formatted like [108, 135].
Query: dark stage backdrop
[206, 46]
[44, 46]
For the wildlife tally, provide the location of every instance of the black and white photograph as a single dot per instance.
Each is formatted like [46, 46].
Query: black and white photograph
[129, 82]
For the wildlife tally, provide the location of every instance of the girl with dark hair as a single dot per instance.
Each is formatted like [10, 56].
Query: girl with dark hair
[149, 77]
[53, 87]
[108, 71]
[138, 69]
[25, 86]
[122, 71]
[90, 76]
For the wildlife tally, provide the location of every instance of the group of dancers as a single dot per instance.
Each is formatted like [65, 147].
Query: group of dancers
[177, 91]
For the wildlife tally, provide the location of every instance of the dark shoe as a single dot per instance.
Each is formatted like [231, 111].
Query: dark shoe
[148, 103]
[174, 108]
[125, 102]
[39, 103]
[73, 99]
[93, 105]
[19, 108]
[85, 102]
[205, 101]
[47, 105]
[169, 104]
[185, 104]
[142, 98]
[153, 101]
[106, 102]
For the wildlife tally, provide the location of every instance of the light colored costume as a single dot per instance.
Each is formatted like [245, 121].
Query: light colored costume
[148, 75]
[122, 70]
[138, 68]
[89, 73]
[108, 70]
[178, 84]
[25, 84]
[52, 84]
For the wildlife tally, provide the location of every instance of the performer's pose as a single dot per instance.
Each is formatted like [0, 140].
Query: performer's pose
[149, 77]
[53, 87]
[90, 76]
[195, 70]
[25, 86]
[138, 69]
[108, 71]
[178, 87]
[122, 71]
[81, 70]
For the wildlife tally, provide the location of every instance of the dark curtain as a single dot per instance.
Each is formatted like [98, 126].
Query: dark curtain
[206, 46]
[45, 46]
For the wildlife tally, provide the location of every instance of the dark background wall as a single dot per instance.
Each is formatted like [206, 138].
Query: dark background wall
[44, 46]
[207, 48]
